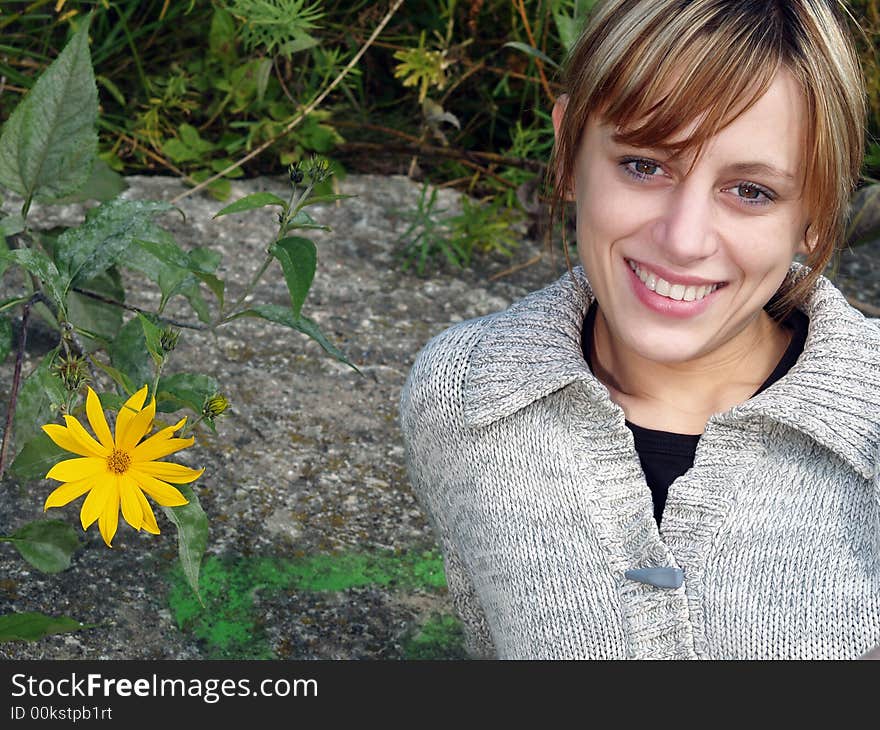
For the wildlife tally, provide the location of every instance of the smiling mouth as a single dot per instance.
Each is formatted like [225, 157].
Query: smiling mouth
[676, 292]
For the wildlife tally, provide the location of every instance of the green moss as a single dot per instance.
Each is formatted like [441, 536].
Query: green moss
[228, 624]
[440, 637]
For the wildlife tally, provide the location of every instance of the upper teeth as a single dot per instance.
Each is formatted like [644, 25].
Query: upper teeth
[673, 291]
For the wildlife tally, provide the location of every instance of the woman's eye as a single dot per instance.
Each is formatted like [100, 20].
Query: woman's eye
[751, 194]
[639, 168]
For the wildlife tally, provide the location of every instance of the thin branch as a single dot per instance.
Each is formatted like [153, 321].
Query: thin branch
[522, 11]
[132, 308]
[303, 114]
[425, 150]
[135, 145]
[16, 381]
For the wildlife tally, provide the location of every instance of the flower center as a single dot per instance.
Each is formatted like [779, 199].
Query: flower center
[118, 461]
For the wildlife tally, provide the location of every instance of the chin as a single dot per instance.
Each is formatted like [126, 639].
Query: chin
[665, 349]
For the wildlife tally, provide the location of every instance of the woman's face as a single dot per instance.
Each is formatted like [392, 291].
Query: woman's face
[734, 222]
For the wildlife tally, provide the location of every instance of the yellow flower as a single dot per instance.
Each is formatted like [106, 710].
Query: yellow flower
[117, 471]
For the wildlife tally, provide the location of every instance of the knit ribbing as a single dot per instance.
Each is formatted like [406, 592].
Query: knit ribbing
[531, 481]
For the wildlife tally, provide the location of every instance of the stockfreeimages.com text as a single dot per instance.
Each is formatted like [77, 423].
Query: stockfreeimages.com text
[209, 690]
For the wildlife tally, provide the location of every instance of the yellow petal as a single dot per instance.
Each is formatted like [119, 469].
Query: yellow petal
[149, 523]
[66, 440]
[131, 507]
[168, 432]
[163, 493]
[136, 428]
[67, 493]
[94, 503]
[128, 411]
[80, 434]
[174, 473]
[72, 470]
[108, 520]
[155, 448]
[97, 420]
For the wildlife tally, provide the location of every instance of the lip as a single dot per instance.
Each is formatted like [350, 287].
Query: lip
[664, 305]
[674, 278]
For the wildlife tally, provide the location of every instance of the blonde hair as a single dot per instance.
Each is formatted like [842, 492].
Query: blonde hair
[718, 57]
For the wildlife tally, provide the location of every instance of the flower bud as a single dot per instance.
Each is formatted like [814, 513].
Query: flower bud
[215, 405]
[296, 174]
[72, 370]
[168, 339]
[318, 169]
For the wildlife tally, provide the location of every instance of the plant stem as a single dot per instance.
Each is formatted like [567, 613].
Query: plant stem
[16, 384]
[294, 204]
[132, 308]
[188, 427]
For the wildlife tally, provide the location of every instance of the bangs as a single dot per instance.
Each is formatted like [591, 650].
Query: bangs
[669, 82]
[652, 69]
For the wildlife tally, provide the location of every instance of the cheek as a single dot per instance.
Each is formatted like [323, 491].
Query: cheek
[761, 244]
[605, 213]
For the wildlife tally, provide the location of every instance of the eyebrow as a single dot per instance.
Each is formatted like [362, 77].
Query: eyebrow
[742, 168]
[759, 168]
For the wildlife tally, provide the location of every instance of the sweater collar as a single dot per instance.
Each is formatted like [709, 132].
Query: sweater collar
[831, 394]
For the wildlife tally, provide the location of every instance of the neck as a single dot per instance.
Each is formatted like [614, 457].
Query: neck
[680, 397]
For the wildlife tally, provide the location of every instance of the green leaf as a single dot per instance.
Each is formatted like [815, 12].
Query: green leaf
[84, 252]
[93, 315]
[104, 184]
[176, 151]
[185, 390]
[112, 89]
[531, 51]
[33, 626]
[38, 402]
[303, 220]
[6, 343]
[192, 535]
[204, 260]
[130, 357]
[221, 36]
[283, 315]
[118, 377]
[180, 272]
[221, 163]
[214, 284]
[250, 202]
[10, 225]
[220, 189]
[264, 68]
[48, 545]
[300, 43]
[298, 258]
[49, 141]
[191, 138]
[41, 266]
[4, 248]
[36, 457]
[197, 302]
[153, 338]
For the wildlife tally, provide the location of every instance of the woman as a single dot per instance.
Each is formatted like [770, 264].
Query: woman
[673, 451]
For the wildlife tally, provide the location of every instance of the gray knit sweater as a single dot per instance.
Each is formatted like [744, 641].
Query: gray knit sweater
[530, 479]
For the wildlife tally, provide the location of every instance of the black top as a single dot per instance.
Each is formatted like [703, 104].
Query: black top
[666, 456]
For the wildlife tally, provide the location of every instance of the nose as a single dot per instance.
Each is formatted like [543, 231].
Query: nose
[684, 229]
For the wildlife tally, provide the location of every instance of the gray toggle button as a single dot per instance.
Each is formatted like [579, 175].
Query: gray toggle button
[659, 577]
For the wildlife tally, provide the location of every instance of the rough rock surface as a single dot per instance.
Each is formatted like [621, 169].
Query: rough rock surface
[308, 461]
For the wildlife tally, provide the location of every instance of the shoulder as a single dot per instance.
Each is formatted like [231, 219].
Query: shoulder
[434, 382]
